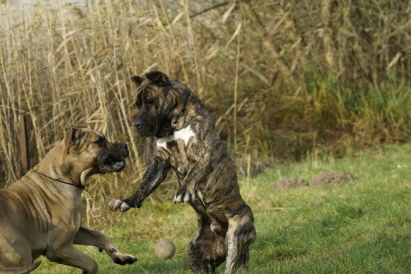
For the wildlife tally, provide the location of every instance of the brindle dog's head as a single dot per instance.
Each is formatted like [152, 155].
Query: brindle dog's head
[160, 101]
[89, 150]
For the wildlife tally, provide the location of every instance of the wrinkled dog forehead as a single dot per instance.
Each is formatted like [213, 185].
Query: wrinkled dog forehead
[92, 135]
[79, 139]
[151, 86]
[144, 93]
[147, 93]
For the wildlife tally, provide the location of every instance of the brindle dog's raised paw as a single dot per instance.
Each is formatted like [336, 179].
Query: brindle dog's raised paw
[115, 204]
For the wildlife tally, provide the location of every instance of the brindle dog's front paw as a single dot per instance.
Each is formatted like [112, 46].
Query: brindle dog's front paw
[184, 196]
[118, 205]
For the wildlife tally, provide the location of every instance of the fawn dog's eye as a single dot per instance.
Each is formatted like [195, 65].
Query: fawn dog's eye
[101, 142]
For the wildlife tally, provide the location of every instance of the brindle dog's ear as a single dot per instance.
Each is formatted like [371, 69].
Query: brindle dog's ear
[158, 78]
[137, 79]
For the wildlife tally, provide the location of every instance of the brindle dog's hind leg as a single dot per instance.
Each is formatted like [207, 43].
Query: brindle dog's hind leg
[206, 250]
[241, 233]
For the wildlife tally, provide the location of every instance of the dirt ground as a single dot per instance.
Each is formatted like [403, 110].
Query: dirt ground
[331, 178]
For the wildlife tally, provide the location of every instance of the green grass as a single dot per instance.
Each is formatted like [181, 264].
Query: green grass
[363, 226]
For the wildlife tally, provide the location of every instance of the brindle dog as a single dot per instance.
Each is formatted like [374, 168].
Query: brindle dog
[40, 214]
[188, 143]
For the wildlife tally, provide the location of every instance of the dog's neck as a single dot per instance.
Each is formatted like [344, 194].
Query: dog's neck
[184, 134]
[179, 120]
[47, 167]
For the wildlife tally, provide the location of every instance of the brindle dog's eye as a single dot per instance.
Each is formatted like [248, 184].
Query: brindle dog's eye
[101, 142]
[150, 102]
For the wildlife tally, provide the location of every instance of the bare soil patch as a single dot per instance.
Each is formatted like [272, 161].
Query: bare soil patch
[332, 178]
[288, 183]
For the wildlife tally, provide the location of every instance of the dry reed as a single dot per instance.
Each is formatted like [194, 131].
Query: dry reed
[280, 77]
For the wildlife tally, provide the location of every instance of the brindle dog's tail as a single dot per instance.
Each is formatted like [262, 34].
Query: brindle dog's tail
[18, 270]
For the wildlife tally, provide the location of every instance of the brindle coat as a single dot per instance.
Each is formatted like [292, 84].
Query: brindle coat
[188, 143]
[40, 214]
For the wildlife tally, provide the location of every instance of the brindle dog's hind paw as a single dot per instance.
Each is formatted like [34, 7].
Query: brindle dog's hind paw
[184, 196]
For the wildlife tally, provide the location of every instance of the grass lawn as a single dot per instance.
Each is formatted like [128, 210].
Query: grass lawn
[363, 226]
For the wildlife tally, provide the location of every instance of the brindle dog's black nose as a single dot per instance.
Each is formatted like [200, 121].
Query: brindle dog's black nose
[138, 123]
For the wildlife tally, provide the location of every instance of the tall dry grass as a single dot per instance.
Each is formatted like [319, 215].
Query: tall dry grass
[281, 78]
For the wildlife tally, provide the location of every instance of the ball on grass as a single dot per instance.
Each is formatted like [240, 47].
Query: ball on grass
[165, 249]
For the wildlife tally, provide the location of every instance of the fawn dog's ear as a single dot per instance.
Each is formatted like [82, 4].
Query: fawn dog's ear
[74, 137]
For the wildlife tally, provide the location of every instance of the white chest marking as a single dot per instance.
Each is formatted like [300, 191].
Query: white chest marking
[185, 134]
